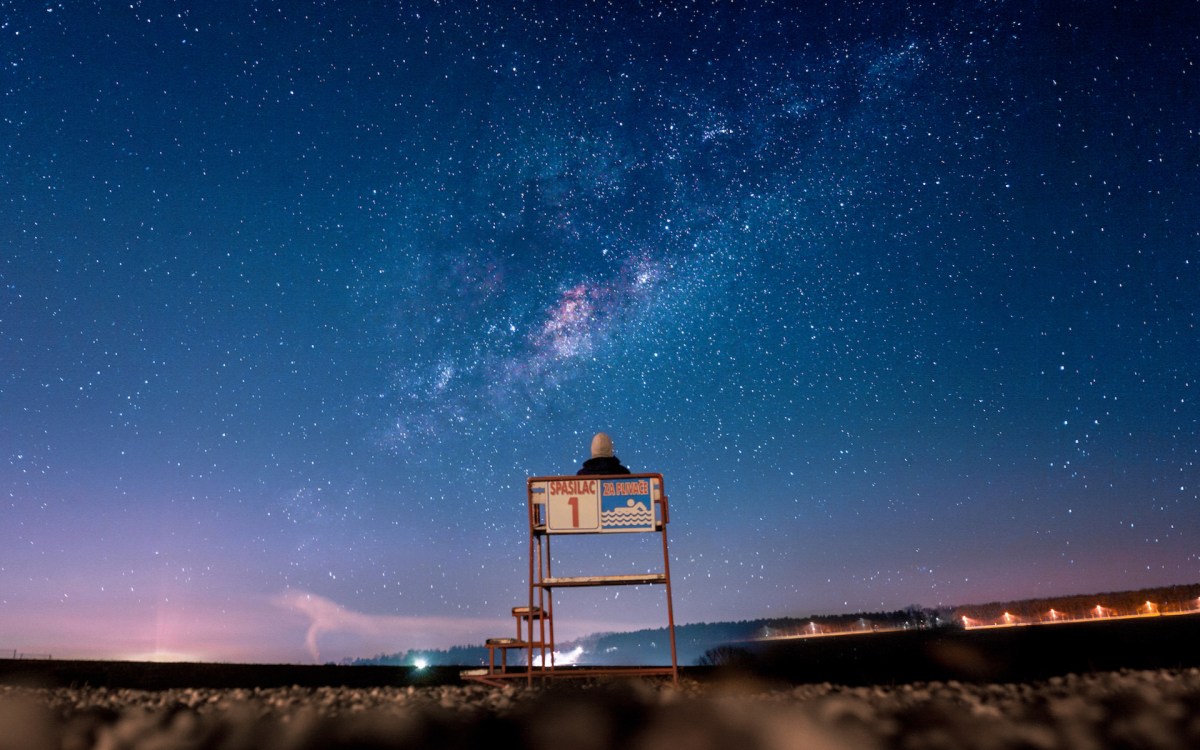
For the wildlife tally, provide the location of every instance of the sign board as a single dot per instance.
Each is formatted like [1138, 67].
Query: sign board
[589, 505]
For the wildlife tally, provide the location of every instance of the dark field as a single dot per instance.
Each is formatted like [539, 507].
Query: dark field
[1125, 684]
[1013, 654]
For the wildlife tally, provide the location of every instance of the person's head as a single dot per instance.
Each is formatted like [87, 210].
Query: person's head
[602, 446]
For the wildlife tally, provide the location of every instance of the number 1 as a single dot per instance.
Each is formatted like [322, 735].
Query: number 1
[574, 503]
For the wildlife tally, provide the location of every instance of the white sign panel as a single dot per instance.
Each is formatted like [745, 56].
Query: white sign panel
[572, 506]
[588, 506]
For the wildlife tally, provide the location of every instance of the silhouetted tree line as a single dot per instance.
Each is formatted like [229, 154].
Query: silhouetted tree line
[703, 643]
[692, 642]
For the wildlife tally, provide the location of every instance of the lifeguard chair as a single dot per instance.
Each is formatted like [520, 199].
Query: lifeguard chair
[565, 507]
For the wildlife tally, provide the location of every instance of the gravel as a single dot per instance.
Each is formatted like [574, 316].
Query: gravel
[1129, 709]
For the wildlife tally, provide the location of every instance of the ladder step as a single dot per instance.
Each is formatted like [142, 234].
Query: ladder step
[527, 612]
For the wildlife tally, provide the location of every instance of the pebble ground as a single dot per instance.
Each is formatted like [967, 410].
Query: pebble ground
[1131, 709]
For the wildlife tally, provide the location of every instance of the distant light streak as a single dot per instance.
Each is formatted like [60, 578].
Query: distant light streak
[562, 659]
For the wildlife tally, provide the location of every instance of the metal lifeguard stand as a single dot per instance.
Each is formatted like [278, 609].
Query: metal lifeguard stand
[566, 506]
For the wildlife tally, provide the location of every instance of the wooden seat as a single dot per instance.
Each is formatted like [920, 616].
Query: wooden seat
[639, 579]
[527, 612]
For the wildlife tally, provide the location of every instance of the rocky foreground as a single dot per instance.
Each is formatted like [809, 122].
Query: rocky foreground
[1132, 709]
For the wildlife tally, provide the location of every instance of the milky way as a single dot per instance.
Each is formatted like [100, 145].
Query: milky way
[901, 302]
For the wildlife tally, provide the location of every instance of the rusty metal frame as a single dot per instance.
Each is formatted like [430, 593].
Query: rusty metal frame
[542, 582]
[541, 598]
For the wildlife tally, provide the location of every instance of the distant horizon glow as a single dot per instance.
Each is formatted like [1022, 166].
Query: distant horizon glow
[900, 300]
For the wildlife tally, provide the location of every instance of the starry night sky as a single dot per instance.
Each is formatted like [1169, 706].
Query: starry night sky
[900, 298]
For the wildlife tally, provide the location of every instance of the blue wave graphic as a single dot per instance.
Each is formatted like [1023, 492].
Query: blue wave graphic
[634, 515]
